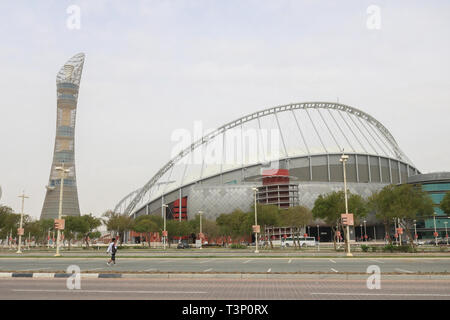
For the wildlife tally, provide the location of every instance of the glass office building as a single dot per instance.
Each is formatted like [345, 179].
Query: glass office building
[437, 185]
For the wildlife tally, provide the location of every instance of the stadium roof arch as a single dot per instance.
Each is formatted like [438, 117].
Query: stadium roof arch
[304, 129]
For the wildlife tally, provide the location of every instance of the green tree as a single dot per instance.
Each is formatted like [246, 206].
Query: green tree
[411, 203]
[382, 203]
[46, 225]
[234, 224]
[145, 224]
[9, 222]
[117, 223]
[75, 227]
[209, 227]
[329, 208]
[297, 217]
[405, 202]
[93, 223]
[445, 203]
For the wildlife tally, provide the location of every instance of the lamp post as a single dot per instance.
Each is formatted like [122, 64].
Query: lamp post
[23, 196]
[318, 238]
[396, 232]
[201, 235]
[415, 231]
[63, 172]
[435, 232]
[344, 159]
[374, 233]
[446, 234]
[256, 222]
[164, 231]
[365, 231]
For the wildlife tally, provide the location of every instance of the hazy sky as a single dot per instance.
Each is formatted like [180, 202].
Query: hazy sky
[155, 66]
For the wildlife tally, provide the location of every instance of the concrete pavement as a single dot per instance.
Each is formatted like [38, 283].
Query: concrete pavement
[223, 289]
[224, 265]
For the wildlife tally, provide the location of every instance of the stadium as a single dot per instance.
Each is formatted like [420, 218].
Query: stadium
[290, 153]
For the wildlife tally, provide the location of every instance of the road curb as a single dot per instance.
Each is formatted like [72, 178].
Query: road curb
[338, 276]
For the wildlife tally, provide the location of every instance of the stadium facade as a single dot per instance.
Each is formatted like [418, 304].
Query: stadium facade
[67, 88]
[290, 153]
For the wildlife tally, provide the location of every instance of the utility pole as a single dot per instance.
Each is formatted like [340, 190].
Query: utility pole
[20, 231]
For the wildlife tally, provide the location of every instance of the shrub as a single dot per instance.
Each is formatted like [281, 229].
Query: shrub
[364, 248]
[238, 246]
[374, 248]
[389, 247]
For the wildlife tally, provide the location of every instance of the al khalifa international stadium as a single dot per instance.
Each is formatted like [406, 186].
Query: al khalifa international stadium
[302, 164]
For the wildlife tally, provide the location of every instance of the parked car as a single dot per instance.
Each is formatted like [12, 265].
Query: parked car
[183, 245]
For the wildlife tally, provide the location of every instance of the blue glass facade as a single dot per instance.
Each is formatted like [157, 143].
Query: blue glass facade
[436, 185]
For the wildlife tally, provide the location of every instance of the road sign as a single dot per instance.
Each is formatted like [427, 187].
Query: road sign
[59, 224]
[305, 235]
[396, 235]
[435, 234]
[416, 236]
[201, 235]
[347, 219]
[256, 228]
[338, 233]
[400, 230]
[20, 231]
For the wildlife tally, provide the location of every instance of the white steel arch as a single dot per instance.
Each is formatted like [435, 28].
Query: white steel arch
[380, 131]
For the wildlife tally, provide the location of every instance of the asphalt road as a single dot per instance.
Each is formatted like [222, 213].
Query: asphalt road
[337, 265]
[222, 289]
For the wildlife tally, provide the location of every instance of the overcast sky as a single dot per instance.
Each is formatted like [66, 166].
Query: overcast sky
[155, 66]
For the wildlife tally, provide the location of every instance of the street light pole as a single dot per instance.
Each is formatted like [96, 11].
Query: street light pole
[415, 231]
[256, 222]
[344, 159]
[435, 233]
[23, 196]
[365, 231]
[164, 236]
[318, 238]
[201, 235]
[446, 234]
[63, 172]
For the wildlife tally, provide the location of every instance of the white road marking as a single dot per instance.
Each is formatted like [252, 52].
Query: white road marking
[270, 269]
[207, 270]
[95, 269]
[383, 294]
[105, 291]
[334, 270]
[151, 269]
[377, 261]
[247, 261]
[34, 269]
[332, 260]
[290, 260]
[403, 270]
[204, 261]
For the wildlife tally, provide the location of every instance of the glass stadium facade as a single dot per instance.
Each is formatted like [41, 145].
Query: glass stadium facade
[67, 87]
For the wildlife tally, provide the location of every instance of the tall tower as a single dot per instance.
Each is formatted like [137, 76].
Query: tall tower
[67, 86]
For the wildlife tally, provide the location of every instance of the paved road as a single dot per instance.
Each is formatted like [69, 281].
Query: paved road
[337, 265]
[222, 289]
